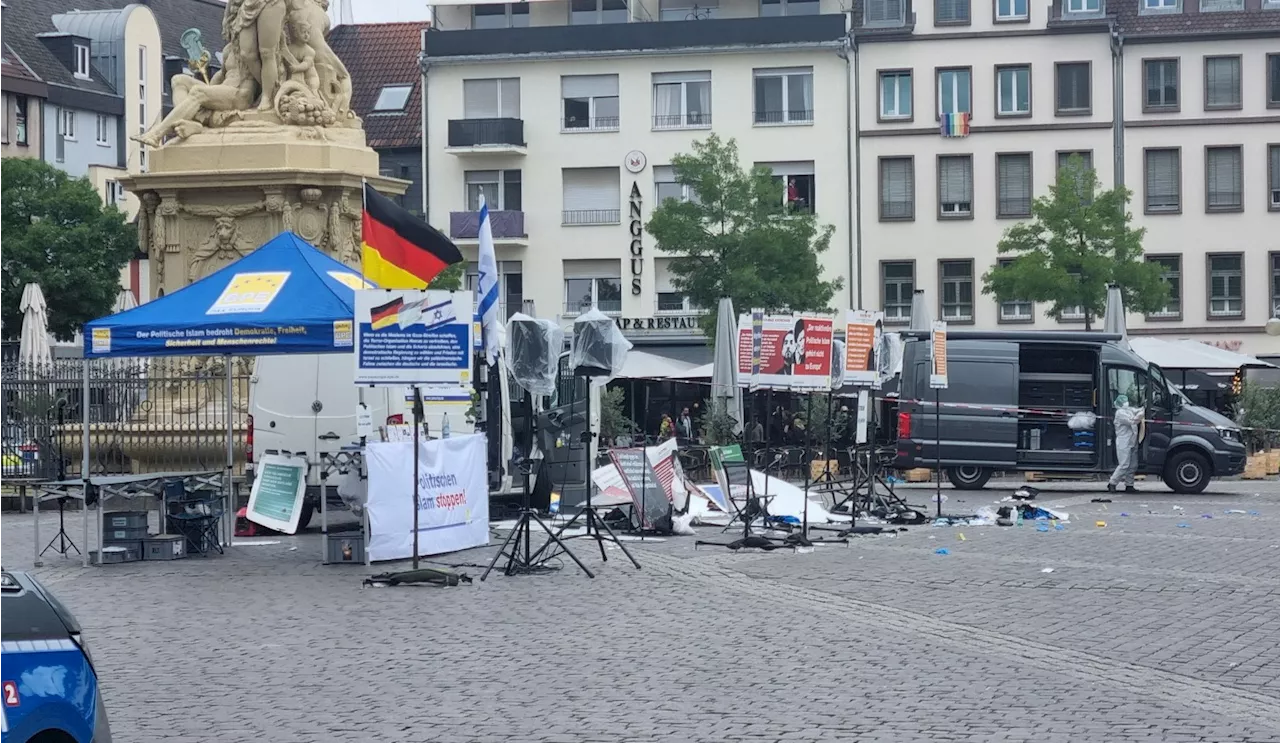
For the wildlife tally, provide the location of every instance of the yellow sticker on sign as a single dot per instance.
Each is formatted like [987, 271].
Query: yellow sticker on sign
[351, 280]
[249, 292]
[101, 340]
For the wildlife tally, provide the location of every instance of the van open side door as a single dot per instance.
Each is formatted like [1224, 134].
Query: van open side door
[1159, 421]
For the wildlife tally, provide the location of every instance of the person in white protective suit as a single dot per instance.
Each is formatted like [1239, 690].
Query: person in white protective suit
[1126, 426]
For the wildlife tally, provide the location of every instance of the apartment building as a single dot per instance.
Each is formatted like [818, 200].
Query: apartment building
[24, 94]
[968, 107]
[566, 115]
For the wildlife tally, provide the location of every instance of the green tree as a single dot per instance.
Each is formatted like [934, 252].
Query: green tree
[1078, 240]
[450, 279]
[57, 233]
[613, 422]
[737, 238]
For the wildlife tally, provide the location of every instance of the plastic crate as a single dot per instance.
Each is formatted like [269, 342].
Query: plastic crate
[117, 552]
[166, 547]
[346, 547]
[124, 520]
[126, 534]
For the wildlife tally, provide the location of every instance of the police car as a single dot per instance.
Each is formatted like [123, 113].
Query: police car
[50, 688]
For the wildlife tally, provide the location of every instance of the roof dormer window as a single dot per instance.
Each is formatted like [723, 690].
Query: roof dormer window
[82, 61]
[392, 98]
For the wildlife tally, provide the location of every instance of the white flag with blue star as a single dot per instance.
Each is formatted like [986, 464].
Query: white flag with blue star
[487, 288]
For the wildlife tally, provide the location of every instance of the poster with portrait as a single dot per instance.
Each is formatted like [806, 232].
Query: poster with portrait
[794, 351]
[864, 343]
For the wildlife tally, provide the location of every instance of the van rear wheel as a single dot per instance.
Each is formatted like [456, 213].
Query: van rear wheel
[1187, 472]
[308, 509]
[968, 477]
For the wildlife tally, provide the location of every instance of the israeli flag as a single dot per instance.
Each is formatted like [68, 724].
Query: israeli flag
[487, 288]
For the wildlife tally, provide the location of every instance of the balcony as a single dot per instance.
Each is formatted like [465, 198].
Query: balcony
[507, 227]
[590, 216]
[486, 137]
[656, 36]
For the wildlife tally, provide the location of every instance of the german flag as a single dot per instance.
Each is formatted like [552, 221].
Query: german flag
[386, 315]
[400, 251]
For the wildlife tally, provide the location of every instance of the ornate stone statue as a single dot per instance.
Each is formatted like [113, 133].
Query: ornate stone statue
[277, 71]
[225, 241]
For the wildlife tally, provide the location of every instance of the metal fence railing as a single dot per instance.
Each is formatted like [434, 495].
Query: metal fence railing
[145, 415]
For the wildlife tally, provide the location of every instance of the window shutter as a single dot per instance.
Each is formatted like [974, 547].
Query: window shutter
[589, 86]
[591, 189]
[1275, 167]
[1015, 184]
[509, 88]
[681, 77]
[884, 11]
[897, 189]
[1224, 173]
[955, 174]
[480, 99]
[951, 10]
[1222, 80]
[1162, 179]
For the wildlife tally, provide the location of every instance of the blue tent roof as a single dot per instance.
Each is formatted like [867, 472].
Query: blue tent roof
[284, 297]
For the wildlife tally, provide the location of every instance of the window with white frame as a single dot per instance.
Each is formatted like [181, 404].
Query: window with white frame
[1222, 82]
[1076, 313]
[784, 96]
[1273, 176]
[1015, 310]
[1013, 90]
[592, 12]
[1161, 6]
[500, 15]
[1163, 180]
[501, 190]
[491, 98]
[798, 184]
[20, 119]
[82, 61]
[1226, 285]
[955, 186]
[590, 102]
[954, 91]
[1011, 10]
[688, 10]
[143, 122]
[681, 100]
[115, 192]
[592, 283]
[1224, 176]
[591, 196]
[1083, 6]
[897, 189]
[774, 8]
[957, 290]
[1161, 79]
[897, 284]
[665, 186]
[392, 98]
[668, 300]
[1013, 184]
[950, 11]
[67, 124]
[884, 13]
[102, 135]
[895, 94]
[1171, 275]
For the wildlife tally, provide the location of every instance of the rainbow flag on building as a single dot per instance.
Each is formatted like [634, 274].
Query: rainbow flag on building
[956, 124]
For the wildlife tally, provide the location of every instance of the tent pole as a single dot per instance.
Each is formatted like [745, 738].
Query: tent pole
[84, 463]
[228, 514]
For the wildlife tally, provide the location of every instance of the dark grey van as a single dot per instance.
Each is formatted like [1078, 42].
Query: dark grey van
[1011, 394]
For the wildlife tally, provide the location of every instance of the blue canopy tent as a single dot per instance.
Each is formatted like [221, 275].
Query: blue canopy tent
[286, 297]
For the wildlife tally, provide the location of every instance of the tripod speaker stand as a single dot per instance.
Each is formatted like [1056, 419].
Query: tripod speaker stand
[61, 539]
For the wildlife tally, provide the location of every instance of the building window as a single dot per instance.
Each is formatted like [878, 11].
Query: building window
[1084, 6]
[1163, 181]
[1086, 158]
[1171, 275]
[590, 102]
[688, 10]
[4, 121]
[392, 98]
[954, 91]
[957, 290]
[1226, 285]
[82, 61]
[143, 122]
[666, 187]
[1161, 76]
[103, 130]
[884, 13]
[1214, 6]
[1015, 310]
[491, 98]
[1161, 6]
[115, 192]
[1273, 177]
[1011, 10]
[797, 181]
[773, 8]
[784, 96]
[589, 283]
[510, 286]
[897, 281]
[1224, 176]
[895, 95]
[67, 124]
[897, 189]
[1275, 284]
[500, 188]
[500, 15]
[591, 196]
[1273, 81]
[681, 99]
[1222, 82]
[950, 12]
[1073, 95]
[955, 186]
[592, 12]
[673, 301]
[1013, 91]
[20, 120]
[1013, 175]
[1076, 313]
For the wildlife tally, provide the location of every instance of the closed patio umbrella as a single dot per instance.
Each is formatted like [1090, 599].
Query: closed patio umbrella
[33, 347]
[724, 373]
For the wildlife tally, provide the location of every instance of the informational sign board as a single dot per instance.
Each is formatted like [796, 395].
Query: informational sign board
[719, 455]
[278, 490]
[863, 330]
[453, 496]
[652, 500]
[408, 337]
[938, 365]
[795, 351]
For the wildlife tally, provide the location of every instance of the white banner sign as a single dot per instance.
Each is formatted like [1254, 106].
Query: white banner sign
[406, 337]
[453, 497]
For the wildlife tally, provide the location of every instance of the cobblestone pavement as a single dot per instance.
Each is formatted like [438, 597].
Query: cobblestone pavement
[1145, 630]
